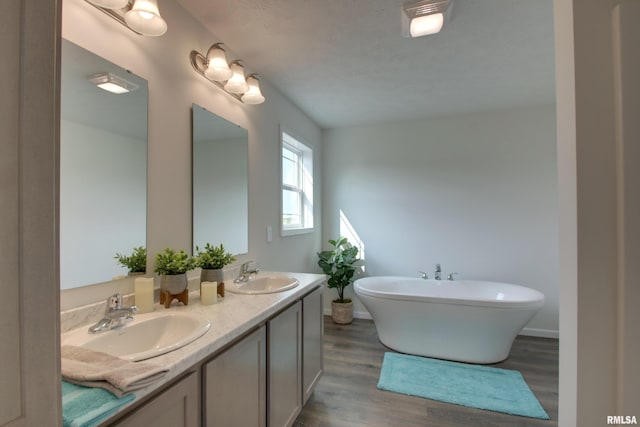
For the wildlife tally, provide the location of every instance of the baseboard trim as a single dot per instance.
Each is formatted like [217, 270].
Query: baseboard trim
[542, 333]
[356, 314]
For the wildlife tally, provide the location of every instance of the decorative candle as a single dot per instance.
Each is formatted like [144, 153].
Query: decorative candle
[144, 294]
[208, 293]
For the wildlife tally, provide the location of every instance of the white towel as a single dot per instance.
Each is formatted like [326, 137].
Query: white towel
[91, 368]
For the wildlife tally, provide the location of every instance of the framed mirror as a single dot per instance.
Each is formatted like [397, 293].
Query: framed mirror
[103, 167]
[220, 182]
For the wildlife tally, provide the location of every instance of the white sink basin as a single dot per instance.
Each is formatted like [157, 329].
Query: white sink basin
[263, 285]
[146, 336]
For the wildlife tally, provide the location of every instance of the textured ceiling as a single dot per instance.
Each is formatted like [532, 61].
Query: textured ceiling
[345, 62]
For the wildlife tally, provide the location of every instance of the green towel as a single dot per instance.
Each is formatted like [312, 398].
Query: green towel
[84, 407]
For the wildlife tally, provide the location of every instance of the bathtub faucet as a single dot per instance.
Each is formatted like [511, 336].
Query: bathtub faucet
[423, 274]
[438, 272]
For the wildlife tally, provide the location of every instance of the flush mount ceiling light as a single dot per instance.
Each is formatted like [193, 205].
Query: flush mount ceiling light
[227, 76]
[424, 17]
[140, 16]
[112, 83]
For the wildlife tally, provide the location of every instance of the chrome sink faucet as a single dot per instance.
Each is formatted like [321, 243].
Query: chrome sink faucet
[115, 315]
[438, 272]
[245, 272]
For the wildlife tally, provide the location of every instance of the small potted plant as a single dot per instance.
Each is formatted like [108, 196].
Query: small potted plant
[136, 263]
[172, 267]
[212, 259]
[338, 264]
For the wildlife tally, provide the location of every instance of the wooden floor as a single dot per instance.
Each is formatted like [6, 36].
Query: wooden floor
[347, 395]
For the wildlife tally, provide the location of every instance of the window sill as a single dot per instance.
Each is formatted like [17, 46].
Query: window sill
[295, 231]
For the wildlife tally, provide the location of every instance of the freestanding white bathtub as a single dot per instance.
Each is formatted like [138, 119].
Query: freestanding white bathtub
[463, 320]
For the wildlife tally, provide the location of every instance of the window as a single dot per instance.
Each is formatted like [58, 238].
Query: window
[297, 186]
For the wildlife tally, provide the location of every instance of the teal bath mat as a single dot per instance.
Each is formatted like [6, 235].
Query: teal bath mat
[475, 386]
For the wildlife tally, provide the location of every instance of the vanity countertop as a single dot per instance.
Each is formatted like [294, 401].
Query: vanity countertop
[230, 318]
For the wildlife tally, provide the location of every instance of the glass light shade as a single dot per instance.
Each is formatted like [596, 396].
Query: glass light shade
[253, 95]
[426, 24]
[237, 83]
[144, 17]
[110, 4]
[217, 68]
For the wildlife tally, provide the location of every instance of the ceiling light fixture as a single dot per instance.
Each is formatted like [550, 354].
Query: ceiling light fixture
[140, 16]
[112, 83]
[229, 77]
[424, 17]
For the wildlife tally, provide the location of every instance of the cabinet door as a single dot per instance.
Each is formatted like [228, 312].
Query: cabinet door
[313, 334]
[285, 366]
[178, 406]
[235, 384]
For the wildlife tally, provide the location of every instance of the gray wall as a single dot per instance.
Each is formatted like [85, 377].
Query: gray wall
[476, 193]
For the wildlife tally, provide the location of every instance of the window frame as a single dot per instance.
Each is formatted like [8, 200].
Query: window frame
[291, 142]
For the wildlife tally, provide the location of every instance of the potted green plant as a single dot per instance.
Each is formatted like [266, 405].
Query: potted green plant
[339, 265]
[136, 263]
[212, 259]
[172, 267]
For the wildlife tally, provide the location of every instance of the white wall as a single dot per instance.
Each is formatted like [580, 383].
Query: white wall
[103, 185]
[220, 194]
[173, 87]
[476, 193]
[595, 226]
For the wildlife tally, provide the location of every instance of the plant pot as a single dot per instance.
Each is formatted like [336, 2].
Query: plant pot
[174, 284]
[212, 275]
[136, 273]
[342, 312]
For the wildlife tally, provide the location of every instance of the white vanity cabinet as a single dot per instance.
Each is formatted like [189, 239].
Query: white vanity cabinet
[312, 337]
[234, 384]
[261, 379]
[285, 366]
[177, 406]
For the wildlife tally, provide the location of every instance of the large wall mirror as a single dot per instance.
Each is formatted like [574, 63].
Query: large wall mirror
[103, 167]
[220, 189]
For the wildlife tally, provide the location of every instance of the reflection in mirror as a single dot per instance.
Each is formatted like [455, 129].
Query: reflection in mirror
[103, 169]
[220, 190]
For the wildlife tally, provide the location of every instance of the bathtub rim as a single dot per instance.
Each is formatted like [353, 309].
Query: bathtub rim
[536, 303]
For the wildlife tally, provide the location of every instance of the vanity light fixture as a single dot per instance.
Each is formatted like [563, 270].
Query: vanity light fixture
[424, 17]
[228, 76]
[140, 16]
[110, 4]
[254, 94]
[217, 66]
[112, 83]
[144, 17]
[237, 82]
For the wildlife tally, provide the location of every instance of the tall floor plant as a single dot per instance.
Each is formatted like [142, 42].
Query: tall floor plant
[339, 265]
